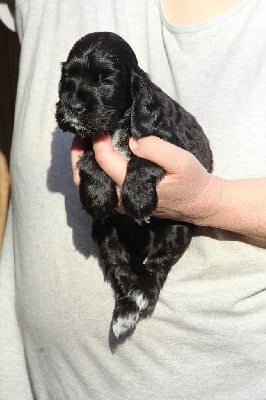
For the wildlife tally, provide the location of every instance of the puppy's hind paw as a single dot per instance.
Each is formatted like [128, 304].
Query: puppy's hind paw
[140, 299]
[145, 220]
[124, 325]
[125, 317]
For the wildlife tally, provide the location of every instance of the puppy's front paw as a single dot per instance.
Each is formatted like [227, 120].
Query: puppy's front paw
[139, 188]
[99, 202]
[139, 197]
[97, 191]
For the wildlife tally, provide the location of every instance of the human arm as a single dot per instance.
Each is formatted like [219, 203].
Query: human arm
[188, 192]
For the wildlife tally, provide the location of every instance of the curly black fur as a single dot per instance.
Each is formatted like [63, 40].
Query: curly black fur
[103, 90]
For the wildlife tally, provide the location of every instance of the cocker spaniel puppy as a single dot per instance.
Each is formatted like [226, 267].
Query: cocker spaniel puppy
[103, 90]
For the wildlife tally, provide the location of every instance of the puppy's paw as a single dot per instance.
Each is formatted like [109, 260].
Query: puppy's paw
[125, 324]
[98, 200]
[145, 298]
[139, 299]
[139, 188]
[125, 317]
[97, 191]
[139, 198]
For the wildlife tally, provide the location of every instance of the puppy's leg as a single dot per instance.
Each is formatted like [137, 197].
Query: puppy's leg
[117, 270]
[169, 240]
[139, 188]
[97, 191]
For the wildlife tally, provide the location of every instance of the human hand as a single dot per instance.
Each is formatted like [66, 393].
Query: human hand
[77, 151]
[182, 193]
[184, 190]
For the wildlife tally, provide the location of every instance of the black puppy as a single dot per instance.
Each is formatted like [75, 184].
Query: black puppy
[103, 90]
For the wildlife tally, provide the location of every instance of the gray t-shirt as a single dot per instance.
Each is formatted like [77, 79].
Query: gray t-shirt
[207, 337]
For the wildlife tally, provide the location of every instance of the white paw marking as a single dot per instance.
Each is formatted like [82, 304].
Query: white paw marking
[145, 220]
[123, 325]
[139, 299]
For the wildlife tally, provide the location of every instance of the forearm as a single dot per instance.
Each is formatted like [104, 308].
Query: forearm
[235, 205]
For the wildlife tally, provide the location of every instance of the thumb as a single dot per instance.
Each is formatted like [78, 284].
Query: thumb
[168, 156]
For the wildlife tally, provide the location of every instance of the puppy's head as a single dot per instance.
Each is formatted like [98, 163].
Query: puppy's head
[94, 90]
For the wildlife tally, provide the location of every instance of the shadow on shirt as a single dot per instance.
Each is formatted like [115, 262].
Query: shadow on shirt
[59, 180]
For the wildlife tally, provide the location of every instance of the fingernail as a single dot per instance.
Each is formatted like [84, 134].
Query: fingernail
[133, 143]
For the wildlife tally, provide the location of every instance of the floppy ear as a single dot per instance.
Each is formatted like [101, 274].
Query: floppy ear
[147, 105]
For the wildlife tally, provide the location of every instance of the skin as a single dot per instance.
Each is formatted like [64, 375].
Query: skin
[180, 12]
[188, 192]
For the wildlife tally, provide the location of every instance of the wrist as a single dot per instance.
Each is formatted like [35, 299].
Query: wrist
[210, 204]
[234, 205]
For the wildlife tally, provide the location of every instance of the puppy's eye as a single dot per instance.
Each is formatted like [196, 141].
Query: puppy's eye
[97, 77]
[92, 77]
[105, 78]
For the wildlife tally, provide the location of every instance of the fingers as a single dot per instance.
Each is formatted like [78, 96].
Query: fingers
[77, 151]
[112, 162]
[152, 148]
[162, 153]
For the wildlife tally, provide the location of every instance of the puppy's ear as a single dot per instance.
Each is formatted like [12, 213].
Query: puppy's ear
[147, 109]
